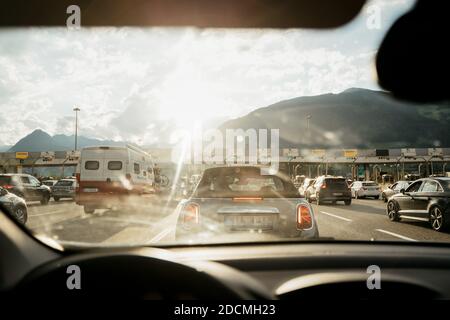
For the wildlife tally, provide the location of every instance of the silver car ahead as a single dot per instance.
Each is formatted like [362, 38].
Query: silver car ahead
[64, 188]
[233, 201]
[14, 205]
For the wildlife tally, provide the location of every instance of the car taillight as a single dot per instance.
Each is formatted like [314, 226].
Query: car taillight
[324, 186]
[304, 217]
[191, 214]
[8, 186]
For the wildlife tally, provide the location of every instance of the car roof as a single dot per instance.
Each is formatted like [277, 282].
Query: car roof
[337, 178]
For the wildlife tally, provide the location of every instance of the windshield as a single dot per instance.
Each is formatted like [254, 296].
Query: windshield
[171, 133]
[64, 183]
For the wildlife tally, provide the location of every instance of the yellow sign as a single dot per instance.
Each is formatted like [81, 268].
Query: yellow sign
[22, 155]
[318, 152]
[350, 153]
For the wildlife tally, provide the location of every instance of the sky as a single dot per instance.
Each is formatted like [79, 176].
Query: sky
[142, 84]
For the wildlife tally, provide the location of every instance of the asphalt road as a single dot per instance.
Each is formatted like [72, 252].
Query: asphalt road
[154, 222]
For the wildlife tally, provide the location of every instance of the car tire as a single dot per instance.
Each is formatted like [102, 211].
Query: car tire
[438, 220]
[88, 209]
[45, 199]
[348, 202]
[392, 211]
[56, 199]
[21, 214]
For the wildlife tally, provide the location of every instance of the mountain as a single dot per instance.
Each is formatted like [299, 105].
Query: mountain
[4, 148]
[354, 118]
[39, 140]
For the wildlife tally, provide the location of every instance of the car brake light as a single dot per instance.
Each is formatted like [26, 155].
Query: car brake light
[8, 186]
[191, 214]
[237, 199]
[324, 186]
[304, 218]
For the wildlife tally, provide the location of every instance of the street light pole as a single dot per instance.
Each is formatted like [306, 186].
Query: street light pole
[308, 134]
[76, 109]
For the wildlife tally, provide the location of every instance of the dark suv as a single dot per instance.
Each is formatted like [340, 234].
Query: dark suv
[328, 188]
[25, 186]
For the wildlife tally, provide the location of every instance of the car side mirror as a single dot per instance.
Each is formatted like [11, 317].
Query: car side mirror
[402, 191]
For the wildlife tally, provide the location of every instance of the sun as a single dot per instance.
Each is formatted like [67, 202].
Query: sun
[188, 98]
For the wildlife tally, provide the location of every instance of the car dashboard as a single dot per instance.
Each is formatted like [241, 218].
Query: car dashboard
[263, 271]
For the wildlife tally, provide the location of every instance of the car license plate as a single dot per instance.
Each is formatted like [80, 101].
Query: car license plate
[337, 194]
[90, 190]
[249, 222]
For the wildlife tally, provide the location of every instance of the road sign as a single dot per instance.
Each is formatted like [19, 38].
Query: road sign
[22, 155]
[350, 153]
[408, 152]
[435, 151]
[318, 152]
[47, 156]
[361, 171]
[290, 152]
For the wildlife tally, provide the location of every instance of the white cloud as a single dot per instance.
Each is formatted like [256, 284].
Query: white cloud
[141, 84]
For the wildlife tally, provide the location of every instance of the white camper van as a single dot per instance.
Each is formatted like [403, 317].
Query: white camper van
[108, 174]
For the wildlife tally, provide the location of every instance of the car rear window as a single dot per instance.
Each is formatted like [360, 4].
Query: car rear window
[91, 165]
[445, 184]
[243, 182]
[370, 184]
[336, 182]
[115, 165]
[64, 183]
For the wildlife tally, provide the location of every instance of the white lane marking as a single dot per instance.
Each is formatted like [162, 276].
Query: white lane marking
[161, 235]
[395, 235]
[124, 220]
[47, 213]
[336, 216]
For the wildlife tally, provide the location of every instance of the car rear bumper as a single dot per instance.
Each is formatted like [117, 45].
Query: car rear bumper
[63, 194]
[335, 196]
[374, 193]
[100, 200]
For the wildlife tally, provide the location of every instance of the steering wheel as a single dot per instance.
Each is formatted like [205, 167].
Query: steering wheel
[143, 274]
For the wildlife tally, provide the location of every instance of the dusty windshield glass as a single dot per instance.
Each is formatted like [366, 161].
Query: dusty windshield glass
[187, 135]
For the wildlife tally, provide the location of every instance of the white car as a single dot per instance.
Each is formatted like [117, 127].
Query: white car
[365, 189]
[305, 185]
